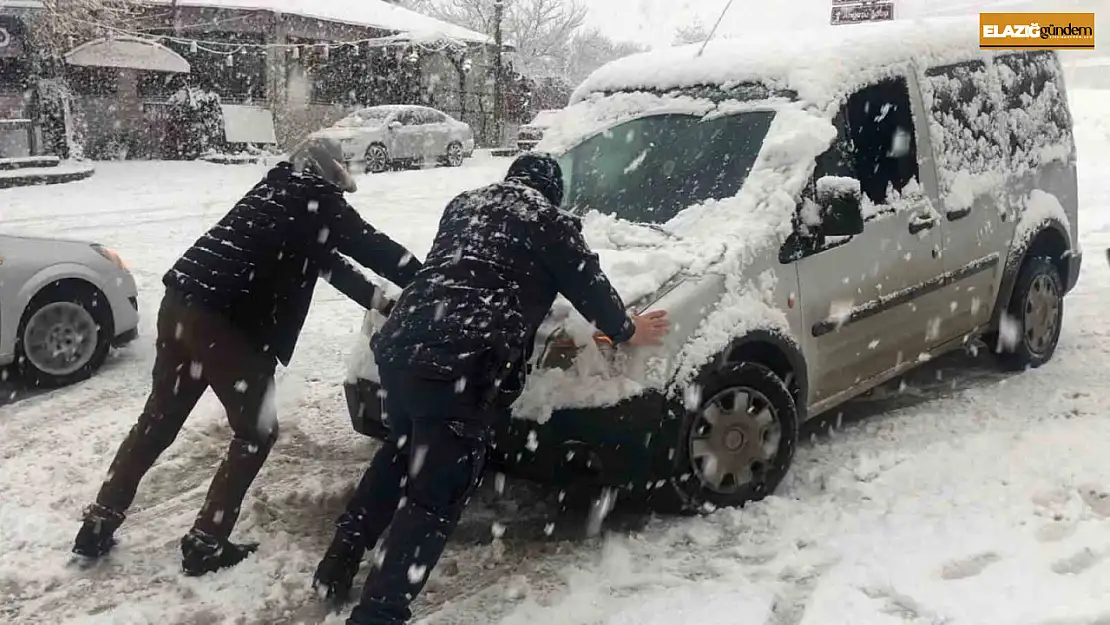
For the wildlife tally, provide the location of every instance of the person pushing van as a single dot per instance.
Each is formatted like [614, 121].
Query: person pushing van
[452, 360]
[235, 304]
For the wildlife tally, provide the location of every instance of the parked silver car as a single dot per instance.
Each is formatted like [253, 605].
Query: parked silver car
[382, 137]
[63, 305]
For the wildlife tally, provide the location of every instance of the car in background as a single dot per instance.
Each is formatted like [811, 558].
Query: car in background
[63, 306]
[531, 133]
[385, 137]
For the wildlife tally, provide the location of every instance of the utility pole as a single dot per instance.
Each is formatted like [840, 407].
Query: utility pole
[176, 17]
[499, 72]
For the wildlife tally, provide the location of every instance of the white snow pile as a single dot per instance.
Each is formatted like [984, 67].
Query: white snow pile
[832, 61]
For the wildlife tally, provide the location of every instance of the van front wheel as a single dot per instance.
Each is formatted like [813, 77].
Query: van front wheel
[739, 442]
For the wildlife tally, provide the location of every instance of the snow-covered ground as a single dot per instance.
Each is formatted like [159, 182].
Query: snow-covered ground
[965, 496]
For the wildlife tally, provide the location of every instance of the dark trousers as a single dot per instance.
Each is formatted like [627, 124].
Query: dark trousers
[198, 349]
[419, 481]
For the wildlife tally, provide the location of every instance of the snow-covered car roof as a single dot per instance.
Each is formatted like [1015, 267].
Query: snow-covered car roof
[818, 64]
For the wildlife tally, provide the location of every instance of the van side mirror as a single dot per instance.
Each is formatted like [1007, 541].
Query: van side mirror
[840, 201]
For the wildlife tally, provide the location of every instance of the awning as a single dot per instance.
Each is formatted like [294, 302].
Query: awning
[128, 53]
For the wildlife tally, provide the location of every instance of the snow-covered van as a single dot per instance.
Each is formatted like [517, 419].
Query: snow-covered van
[819, 213]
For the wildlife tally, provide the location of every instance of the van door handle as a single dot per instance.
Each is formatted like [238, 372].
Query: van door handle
[958, 214]
[922, 222]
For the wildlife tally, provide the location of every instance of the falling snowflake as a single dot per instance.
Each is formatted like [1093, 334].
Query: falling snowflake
[418, 456]
[416, 573]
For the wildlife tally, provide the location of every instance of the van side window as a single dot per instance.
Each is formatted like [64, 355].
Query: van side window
[875, 144]
[880, 127]
[1035, 101]
[965, 123]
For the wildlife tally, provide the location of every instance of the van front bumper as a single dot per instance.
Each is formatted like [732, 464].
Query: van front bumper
[630, 445]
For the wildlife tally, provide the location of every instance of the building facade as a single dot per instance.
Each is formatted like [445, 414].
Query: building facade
[307, 70]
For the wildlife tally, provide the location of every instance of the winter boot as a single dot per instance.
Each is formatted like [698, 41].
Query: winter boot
[335, 574]
[203, 553]
[95, 538]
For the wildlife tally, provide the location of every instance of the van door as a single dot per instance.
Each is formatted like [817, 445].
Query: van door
[866, 301]
[969, 142]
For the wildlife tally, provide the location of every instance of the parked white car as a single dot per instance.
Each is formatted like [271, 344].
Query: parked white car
[531, 133]
[63, 305]
[388, 136]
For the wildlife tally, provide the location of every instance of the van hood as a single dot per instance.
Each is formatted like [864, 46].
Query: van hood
[641, 258]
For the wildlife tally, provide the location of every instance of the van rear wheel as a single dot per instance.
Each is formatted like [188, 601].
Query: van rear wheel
[737, 445]
[1031, 326]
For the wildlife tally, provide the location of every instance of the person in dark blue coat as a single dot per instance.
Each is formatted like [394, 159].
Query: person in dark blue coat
[234, 307]
[451, 358]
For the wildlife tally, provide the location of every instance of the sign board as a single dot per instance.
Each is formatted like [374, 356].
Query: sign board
[858, 13]
[248, 124]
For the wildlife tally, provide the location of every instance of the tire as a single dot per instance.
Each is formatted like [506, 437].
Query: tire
[455, 155]
[377, 159]
[72, 317]
[1034, 316]
[699, 479]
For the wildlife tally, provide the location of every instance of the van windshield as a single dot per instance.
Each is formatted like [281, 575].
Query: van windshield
[649, 169]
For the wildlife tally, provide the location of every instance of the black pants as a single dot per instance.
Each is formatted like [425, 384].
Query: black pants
[419, 481]
[197, 350]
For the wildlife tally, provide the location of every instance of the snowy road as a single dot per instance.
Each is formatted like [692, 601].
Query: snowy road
[968, 497]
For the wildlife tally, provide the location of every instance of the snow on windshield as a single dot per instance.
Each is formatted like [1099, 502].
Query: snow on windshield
[649, 169]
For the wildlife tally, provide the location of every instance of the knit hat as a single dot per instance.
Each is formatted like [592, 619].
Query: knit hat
[541, 172]
[324, 157]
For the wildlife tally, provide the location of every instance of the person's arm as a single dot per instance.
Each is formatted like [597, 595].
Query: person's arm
[578, 276]
[351, 282]
[370, 248]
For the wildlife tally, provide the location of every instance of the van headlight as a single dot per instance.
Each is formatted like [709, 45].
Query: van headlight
[560, 351]
[110, 254]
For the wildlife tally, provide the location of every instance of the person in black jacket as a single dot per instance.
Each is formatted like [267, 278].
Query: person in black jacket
[451, 359]
[234, 307]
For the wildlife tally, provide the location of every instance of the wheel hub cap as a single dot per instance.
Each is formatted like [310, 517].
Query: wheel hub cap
[733, 439]
[60, 338]
[1042, 314]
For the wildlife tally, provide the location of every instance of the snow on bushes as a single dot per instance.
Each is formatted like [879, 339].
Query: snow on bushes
[194, 124]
